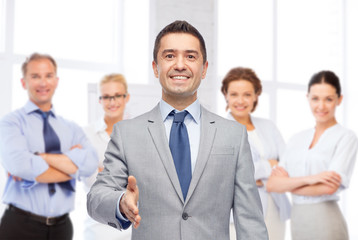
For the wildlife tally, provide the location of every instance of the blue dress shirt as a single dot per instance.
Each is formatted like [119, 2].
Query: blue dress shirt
[192, 122]
[20, 138]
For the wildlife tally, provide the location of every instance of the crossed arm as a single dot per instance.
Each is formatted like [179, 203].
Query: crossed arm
[273, 163]
[60, 168]
[324, 183]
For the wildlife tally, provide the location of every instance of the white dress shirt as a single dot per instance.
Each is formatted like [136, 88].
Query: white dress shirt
[192, 123]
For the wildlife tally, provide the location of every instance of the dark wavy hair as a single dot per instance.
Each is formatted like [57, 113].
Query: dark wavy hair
[179, 27]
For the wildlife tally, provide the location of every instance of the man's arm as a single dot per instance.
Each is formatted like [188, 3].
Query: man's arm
[52, 175]
[16, 157]
[247, 208]
[60, 162]
[82, 157]
[103, 198]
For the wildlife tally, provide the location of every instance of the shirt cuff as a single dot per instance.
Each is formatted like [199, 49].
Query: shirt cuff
[85, 160]
[39, 167]
[28, 184]
[118, 212]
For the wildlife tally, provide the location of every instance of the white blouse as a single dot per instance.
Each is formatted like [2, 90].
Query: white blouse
[99, 138]
[267, 143]
[93, 230]
[335, 150]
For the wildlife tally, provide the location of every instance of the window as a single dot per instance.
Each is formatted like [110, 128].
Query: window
[49, 27]
[85, 39]
[2, 25]
[137, 55]
[309, 39]
[246, 36]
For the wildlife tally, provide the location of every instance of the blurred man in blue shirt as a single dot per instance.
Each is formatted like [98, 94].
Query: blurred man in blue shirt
[43, 154]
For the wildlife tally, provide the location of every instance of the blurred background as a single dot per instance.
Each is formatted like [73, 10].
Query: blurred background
[284, 41]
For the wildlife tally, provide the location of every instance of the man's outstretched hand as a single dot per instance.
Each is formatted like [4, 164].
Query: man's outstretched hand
[128, 204]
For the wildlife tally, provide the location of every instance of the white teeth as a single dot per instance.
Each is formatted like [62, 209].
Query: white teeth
[180, 77]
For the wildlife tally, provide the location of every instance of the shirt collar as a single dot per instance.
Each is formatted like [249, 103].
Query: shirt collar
[230, 116]
[31, 107]
[194, 110]
[100, 125]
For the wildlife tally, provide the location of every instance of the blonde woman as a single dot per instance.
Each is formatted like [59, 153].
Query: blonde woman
[317, 165]
[114, 97]
[241, 88]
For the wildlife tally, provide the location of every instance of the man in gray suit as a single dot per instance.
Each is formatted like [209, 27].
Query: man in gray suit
[144, 182]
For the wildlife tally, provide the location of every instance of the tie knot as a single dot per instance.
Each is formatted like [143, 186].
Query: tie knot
[43, 114]
[180, 116]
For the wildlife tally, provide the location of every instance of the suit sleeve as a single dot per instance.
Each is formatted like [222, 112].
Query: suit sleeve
[110, 184]
[247, 209]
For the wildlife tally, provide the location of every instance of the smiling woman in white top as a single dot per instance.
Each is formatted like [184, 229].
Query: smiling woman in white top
[114, 97]
[241, 88]
[317, 165]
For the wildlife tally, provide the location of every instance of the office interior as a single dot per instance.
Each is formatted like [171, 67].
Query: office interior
[285, 42]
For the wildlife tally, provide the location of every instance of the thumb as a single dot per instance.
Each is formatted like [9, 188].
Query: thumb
[132, 184]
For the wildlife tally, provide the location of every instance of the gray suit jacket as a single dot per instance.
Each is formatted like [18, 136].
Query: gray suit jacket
[223, 179]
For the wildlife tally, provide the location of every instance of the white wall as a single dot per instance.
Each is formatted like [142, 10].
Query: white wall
[203, 15]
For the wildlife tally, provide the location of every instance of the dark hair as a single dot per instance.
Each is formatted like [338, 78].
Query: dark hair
[179, 27]
[35, 57]
[241, 73]
[328, 77]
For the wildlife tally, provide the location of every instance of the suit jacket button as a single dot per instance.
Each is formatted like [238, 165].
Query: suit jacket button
[112, 224]
[185, 216]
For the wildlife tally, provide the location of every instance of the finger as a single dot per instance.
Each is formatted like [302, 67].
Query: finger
[132, 183]
[127, 213]
[336, 182]
[337, 177]
[334, 178]
[137, 222]
[130, 216]
[332, 182]
[133, 217]
[130, 204]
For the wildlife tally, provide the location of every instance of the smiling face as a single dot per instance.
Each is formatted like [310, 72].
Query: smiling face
[40, 81]
[114, 107]
[240, 98]
[179, 67]
[323, 100]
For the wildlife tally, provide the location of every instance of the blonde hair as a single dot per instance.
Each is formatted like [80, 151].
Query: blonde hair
[114, 77]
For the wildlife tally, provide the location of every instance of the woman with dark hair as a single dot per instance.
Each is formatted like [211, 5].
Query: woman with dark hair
[317, 165]
[241, 88]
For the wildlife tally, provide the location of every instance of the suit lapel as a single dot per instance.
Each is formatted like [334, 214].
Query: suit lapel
[207, 135]
[157, 131]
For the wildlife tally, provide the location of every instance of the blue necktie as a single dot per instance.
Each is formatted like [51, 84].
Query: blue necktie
[52, 145]
[180, 149]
